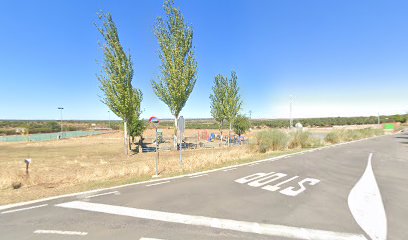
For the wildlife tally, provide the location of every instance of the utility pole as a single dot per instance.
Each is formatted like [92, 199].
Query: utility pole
[250, 114]
[378, 119]
[61, 108]
[290, 112]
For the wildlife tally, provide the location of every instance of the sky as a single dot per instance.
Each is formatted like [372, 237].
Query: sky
[336, 58]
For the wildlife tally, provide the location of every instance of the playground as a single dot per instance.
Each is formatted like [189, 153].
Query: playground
[192, 139]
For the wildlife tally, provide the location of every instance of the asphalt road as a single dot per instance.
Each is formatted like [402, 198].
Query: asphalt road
[331, 193]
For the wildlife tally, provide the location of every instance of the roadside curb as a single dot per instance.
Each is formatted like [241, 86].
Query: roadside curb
[3, 207]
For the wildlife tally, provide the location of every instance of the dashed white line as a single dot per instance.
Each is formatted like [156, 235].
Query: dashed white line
[60, 232]
[143, 238]
[154, 184]
[229, 169]
[102, 194]
[227, 224]
[253, 164]
[200, 175]
[22, 209]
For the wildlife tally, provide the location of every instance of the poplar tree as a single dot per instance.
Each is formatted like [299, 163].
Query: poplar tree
[217, 99]
[225, 100]
[116, 77]
[179, 67]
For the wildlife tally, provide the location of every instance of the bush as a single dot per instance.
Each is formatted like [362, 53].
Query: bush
[338, 136]
[333, 137]
[16, 185]
[271, 140]
[301, 139]
[7, 132]
[241, 125]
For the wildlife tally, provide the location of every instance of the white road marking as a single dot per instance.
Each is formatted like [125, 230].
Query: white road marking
[102, 194]
[143, 238]
[199, 175]
[241, 226]
[60, 232]
[263, 179]
[271, 159]
[154, 184]
[366, 205]
[229, 169]
[22, 209]
[253, 164]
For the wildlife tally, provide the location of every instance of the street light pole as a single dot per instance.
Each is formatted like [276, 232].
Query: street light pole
[61, 108]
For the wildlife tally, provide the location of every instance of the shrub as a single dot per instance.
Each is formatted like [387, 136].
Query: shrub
[16, 185]
[333, 137]
[300, 139]
[241, 125]
[271, 140]
[7, 132]
[338, 136]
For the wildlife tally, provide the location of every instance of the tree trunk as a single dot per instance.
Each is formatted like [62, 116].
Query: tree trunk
[175, 132]
[229, 134]
[141, 143]
[220, 128]
[125, 136]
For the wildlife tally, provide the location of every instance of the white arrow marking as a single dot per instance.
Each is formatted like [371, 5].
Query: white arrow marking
[366, 205]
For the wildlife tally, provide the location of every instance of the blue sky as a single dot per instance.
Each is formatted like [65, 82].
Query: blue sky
[337, 58]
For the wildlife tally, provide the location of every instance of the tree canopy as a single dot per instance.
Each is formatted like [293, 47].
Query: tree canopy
[217, 99]
[241, 124]
[225, 99]
[179, 67]
[117, 74]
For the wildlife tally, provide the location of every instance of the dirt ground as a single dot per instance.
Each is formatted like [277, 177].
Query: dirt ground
[79, 164]
[86, 163]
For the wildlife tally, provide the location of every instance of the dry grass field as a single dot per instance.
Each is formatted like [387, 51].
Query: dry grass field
[79, 164]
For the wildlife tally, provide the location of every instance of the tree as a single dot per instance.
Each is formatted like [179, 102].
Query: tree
[241, 125]
[217, 99]
[136, 129]
[179, 68]
[233, 103]
[116, 76]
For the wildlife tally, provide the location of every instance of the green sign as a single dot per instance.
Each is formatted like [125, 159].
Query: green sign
[389, 126]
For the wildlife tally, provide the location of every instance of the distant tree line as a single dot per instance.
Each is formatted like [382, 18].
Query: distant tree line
[330, 121]
[32, 127]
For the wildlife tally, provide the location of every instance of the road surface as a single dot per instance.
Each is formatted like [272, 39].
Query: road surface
[350, 191]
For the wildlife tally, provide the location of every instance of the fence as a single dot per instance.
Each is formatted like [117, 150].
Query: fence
[47, 136]
[195, 141]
